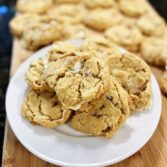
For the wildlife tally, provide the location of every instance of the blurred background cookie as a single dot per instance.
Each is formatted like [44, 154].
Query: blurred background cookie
[132, 8]
[22, 21]
[163, 83]
[67, 13]
[34, 76]
[66, 1]
[151, 25]
[31, 6]
[134, 76]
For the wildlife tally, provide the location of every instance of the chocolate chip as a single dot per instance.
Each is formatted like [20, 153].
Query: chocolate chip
[106, 130]
[110, 98]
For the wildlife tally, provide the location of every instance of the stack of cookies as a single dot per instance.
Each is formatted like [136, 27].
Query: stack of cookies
[94, 86]
[130, 24]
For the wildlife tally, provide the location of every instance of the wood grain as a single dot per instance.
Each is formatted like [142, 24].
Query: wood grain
[153, 154]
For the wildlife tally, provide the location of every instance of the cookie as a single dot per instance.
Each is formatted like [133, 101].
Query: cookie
[132, 8]
[67, 1]
[85, 81]
[126, 36]
[154, 51]
[41, 34]
[78, 31]
[77, 78]
[44, 109]
[34, 76]
[101, 19]
[67, 13]
[31, 6]
[108, 118]
[163, 83]
[151, 25]
[21, 21]
[61, 50]
[98, 3]
[134, 76]
[100, 45]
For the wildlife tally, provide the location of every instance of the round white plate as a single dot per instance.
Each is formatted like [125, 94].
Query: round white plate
[67, 147]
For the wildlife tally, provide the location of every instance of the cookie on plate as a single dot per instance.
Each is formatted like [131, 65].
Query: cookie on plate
[134, 76]
[105, 120]
[44, 109]
[154, 51]
[100, 45]
[21, 21]
[31, 6]
[77, 78]
[98, 3]
[67, 13]
[101, 19]
[163, 83]
[126, 36]
[132, 8]
[151, 25]
[34, 76]
[41, 34]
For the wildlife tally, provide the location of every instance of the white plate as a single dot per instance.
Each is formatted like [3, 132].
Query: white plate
[67, 147]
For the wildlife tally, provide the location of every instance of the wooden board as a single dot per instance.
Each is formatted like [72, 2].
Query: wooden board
[153, 154]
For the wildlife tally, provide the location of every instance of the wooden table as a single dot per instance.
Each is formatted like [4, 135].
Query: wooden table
[153, 154]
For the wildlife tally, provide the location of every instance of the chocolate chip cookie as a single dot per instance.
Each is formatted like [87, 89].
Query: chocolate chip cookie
[101, 19]
[151, 25]
[41, 34]
[134, 76]
[108, 118]
[154, 51]
[77, 77]
[34, 75]
[126, 36]
[44, 109]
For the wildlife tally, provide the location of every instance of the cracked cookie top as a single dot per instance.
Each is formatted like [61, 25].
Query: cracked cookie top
[44, 109]
[34, 76]
[77, 77]
[134, 75]
[111, 114]
[151, 25]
